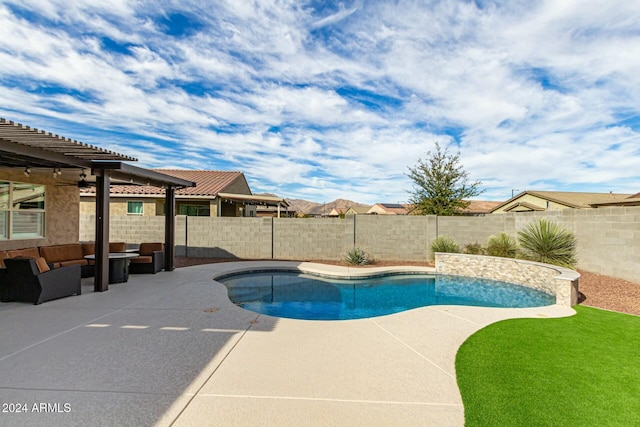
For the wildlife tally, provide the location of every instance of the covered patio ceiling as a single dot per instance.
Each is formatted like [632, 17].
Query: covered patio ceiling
[39, 152]
[24, 147]
[255, 199]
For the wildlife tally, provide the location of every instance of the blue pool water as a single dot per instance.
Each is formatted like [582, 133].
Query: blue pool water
[303, 296]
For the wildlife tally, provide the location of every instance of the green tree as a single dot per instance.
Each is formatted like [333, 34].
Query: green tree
[441, 185]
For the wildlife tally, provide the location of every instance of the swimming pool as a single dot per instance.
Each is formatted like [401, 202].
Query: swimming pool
[298, 295]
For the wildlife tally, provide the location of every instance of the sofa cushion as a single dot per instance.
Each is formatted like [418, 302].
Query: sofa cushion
[61, 253]
[142, 259]
[25, 253]
[74, 262]
[42, 264]
[88, 248]
[3, 255]
[150, 248]
[117, 247]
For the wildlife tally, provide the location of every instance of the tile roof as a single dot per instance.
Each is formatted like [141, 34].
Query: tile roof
[393, 208]
[633, 200]
[480, 206]
[569, 198]
[360, 209]
[208, 183]
[579, 199]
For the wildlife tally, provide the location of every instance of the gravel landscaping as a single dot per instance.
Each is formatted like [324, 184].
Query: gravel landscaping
[609, 293]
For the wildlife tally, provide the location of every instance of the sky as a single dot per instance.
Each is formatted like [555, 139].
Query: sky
[319, 100]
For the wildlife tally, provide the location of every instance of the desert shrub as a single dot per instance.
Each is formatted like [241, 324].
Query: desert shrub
[356, 256]
[502, 245]
[474, 249]
[545, 241]
[445, 244]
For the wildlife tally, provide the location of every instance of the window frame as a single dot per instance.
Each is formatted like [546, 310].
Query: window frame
[200, 208]
[139, 203]
[13, 215]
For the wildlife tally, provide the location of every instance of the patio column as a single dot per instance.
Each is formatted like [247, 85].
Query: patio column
[101, 276]
[169, 228]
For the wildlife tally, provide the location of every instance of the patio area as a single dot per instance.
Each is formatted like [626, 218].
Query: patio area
[171, 349]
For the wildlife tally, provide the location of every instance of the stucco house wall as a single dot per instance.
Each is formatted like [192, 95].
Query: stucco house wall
[62, 213]
[153, 204]
[118, 206]
[531, 199]
[238, 186]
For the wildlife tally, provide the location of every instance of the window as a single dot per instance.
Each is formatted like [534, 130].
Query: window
[134, 208]
[194, 210]
[21, 210]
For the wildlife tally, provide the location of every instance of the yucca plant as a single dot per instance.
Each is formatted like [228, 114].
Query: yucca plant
[356, 256]
[474, 249]
[545, 241]
[502, 245]
[445, 244]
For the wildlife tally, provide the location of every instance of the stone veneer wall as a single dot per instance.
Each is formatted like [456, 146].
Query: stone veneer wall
[558, 281]
[608, 238]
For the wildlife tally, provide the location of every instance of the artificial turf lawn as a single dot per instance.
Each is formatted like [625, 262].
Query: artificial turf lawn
[582, 370]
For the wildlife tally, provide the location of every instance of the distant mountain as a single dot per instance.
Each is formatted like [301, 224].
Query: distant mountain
[313, 208]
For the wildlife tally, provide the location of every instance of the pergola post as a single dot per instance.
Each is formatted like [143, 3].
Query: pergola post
[101, 275]
[169, 228]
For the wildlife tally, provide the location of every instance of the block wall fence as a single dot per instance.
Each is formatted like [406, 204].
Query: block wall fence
[608, 238]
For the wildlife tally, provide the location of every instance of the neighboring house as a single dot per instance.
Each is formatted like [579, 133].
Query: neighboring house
[633, 200]
[338, 211]
[475, 208]
[388, 209]
[217, 193]
[530, 201]
[269, 211]
[479, 207]
[358, 210]
[264, 211]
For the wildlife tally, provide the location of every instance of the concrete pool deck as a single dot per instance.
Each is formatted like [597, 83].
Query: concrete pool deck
[171, 349]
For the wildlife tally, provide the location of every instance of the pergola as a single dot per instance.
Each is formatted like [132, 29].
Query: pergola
[29, 148]
[278, 202]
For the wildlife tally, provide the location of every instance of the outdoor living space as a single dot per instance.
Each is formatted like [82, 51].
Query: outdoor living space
[171, 349]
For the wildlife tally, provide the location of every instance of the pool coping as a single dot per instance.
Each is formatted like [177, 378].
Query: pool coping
[328, 270]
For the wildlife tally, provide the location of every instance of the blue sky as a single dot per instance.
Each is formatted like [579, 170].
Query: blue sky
[322, 100]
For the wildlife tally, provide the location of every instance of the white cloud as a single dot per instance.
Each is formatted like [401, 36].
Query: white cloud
[335, 17]
[340, 100]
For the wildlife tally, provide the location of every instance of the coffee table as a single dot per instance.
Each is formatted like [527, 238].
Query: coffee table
[118, 265]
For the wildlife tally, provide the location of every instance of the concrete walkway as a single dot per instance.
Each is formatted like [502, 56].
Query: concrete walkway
[171, 349]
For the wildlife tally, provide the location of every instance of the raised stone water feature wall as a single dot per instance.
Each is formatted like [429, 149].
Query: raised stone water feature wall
[554, 280]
